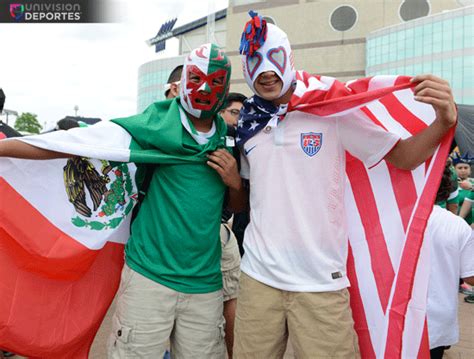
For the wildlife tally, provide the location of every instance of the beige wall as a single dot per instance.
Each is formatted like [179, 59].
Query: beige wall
[317, 47]
[195, 38]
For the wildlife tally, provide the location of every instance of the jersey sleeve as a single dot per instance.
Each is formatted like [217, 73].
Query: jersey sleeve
[470, 197]
[364, 139]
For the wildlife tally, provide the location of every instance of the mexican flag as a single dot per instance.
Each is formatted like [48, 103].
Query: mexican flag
[64, 223]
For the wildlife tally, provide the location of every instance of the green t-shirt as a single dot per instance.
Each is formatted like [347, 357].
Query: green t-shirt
[175, 236]
[463, 194]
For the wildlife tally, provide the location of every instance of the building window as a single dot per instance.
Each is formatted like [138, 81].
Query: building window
[413, 9]
[343, 18]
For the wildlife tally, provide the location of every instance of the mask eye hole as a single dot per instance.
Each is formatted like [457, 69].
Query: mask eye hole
[218, 81]
[194, 78]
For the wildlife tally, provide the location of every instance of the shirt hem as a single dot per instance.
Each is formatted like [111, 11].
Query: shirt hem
[167, 284]
[444, 343]
[382, 154]
[341, 284]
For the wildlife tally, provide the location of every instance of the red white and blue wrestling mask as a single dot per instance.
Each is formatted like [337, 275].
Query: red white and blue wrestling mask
[205, 81]
[265, 47]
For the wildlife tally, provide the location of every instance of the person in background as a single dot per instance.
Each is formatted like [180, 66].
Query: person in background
[173, 84]
[231, 111]
[66, 124]
[462, 165]
[451, 256]
[451, 204]
[462, 175]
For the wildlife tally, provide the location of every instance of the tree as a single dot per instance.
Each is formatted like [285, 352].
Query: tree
[28, 122]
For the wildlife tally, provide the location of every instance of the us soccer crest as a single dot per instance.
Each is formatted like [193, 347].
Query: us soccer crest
[311, 143]
[102, 194]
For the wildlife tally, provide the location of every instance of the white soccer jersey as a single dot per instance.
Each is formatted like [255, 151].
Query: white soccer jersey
[451, 257]
[297, 237]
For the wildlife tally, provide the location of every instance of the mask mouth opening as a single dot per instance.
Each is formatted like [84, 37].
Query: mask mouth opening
[203, 102]
[269, 82]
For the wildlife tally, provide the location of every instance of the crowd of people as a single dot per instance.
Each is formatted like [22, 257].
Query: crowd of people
[184, 290]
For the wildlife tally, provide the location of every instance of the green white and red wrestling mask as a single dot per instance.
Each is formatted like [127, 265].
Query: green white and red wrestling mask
[205, 81]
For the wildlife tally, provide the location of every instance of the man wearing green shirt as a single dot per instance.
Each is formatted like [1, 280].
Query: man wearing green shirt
[172, 284]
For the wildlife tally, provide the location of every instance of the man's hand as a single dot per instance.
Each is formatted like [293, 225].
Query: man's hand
[465, 185]
[413, 151]
[437, 92]
[226, 165]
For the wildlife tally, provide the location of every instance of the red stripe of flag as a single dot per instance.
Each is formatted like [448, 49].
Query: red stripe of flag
[404, 190]
[411, 253]
[402, 115]
[366, 206]
[402, 80]
[372, 117]
[360, 85]
[424, 351]
[358, 312]
[427, 164]
[333, 105]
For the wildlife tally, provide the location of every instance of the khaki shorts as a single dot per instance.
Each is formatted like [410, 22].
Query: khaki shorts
[319, 325]
[230, 263]
[149, 314]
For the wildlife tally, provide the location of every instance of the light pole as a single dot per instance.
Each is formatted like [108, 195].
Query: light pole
[9, 112]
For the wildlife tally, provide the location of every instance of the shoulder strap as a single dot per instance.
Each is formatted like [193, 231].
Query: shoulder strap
[150, 169]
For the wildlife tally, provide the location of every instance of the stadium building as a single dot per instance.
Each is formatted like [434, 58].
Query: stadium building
[342, 39]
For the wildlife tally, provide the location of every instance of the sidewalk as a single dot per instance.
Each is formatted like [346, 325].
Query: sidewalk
[463, 350]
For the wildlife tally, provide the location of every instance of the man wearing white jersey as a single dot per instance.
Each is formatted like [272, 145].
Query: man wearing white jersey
[294, 282]
[451, 256]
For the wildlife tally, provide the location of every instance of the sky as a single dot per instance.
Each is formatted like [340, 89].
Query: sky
[48, 69]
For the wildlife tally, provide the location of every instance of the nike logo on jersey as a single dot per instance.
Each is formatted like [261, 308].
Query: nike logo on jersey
[250, 149]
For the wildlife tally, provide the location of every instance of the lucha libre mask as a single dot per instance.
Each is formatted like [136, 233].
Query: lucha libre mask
[205, 81]
[274, 55]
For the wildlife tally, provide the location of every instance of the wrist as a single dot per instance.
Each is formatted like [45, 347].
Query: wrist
[445, 125]
[236, 185]
[2, 149]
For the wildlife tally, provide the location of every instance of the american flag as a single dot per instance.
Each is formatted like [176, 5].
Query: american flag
[387, 209]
